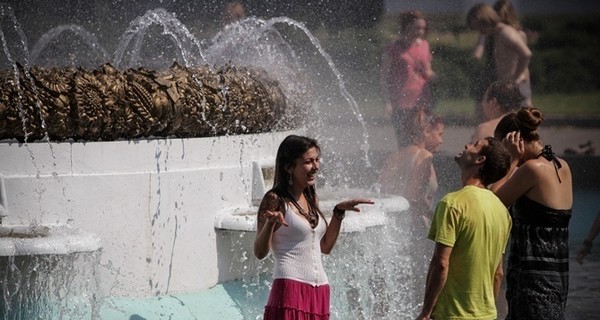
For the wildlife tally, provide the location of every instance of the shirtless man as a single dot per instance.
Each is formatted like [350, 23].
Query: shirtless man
[500, 98]
[511, 53]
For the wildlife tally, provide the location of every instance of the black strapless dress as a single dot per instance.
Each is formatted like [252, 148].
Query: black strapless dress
[538, 261]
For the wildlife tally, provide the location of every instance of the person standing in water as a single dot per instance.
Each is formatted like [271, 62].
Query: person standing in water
[409, 171]
[539, 189]
[470, 228]
[292, 226]
[511, 54]
[405, 72]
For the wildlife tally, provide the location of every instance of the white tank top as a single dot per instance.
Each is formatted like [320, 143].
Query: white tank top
[297, 250]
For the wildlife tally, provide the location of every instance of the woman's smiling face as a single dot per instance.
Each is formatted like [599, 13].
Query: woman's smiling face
[305, 169]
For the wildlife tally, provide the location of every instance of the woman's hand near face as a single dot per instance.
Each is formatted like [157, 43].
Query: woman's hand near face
[514, 144]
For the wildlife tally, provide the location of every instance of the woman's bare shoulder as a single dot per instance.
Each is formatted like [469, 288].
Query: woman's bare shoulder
[541, 167]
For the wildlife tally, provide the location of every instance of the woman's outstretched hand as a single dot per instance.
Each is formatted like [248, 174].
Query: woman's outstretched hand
[350, 205]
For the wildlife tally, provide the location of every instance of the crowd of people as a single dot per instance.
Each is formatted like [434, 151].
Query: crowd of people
[516, 195]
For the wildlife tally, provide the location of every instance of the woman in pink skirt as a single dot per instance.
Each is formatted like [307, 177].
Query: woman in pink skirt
[291, 225]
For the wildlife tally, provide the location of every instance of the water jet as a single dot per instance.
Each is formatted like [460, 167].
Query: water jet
[163, 167]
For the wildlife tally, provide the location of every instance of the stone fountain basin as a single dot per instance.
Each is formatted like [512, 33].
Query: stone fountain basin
[244, 218]
[21, 240]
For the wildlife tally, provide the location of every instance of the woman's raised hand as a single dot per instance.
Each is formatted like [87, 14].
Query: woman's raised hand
[274, 217]
[514, 144]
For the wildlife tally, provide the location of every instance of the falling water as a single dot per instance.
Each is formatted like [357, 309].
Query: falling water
[49, 287]
[251, 42]
[54, 33]
[258, 43]
[189, 47]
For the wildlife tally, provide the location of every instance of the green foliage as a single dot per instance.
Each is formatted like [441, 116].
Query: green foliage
[565, 54]
[554, 105]
[565, 70]
[455, 71]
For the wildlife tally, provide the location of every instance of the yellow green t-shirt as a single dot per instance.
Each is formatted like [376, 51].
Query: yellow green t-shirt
[475, 223]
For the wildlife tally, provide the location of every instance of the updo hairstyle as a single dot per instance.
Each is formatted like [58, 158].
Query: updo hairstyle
[526, 121]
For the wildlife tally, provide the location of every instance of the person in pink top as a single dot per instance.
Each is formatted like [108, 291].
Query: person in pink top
[291, 225]
[405, 71]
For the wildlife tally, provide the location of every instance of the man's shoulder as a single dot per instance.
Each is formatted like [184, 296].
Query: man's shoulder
[457, 197]
[466, 194]
[468, 190]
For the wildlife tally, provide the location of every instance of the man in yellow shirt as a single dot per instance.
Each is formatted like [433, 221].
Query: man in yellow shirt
[470, 228]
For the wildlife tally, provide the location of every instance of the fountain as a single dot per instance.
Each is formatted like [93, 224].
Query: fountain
[156, 173]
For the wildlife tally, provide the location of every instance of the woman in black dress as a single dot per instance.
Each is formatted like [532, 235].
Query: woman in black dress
[539, 188]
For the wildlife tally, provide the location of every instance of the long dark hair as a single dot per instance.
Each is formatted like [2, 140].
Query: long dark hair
[290, 149]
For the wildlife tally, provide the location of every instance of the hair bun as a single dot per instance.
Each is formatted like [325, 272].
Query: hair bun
[530, 118]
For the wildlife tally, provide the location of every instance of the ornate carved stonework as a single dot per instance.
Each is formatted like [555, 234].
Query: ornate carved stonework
[109, 104]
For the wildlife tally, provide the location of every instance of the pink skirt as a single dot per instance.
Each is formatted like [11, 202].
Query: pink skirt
[294, 300]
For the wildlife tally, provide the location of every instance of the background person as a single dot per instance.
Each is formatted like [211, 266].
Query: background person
[484, 50]
[470, 228]
[409, 171]
[233, 12]
[586, 247]
[539, 188]
[291, 225]
[511, 54]
[500, 98]
[405, 72]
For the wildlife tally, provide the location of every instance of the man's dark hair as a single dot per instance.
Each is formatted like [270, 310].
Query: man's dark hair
[497, 161]
[507, 95]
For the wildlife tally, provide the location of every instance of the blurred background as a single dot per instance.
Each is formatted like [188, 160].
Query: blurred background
[562, 35]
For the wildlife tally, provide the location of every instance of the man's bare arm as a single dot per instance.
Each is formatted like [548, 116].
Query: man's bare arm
[436, 278]
[513, 41]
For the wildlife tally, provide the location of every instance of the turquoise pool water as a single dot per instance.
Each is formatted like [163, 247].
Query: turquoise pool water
[585, 207]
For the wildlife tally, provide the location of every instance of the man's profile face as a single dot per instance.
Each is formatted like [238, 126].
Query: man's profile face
[470, 155]
[489, 107]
